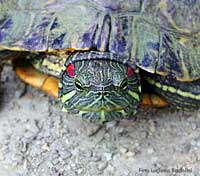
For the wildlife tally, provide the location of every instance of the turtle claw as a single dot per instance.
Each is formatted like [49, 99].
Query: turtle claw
[153, 100]
[39, 80]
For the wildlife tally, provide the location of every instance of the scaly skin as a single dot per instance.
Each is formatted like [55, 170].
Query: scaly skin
[49, 84]
[99, 89]
[182, 95]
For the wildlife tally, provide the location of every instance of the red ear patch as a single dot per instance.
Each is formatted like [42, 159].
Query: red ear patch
[130, 72]
[70, 70]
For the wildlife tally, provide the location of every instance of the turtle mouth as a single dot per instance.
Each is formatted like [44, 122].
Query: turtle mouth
[102, 103]
[100, 109]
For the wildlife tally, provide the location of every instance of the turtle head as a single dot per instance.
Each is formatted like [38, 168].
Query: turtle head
[100, 90]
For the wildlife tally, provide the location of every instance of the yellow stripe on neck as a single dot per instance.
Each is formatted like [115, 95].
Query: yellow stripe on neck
[172, 89]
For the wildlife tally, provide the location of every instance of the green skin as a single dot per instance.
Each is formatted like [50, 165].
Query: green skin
[101, 90]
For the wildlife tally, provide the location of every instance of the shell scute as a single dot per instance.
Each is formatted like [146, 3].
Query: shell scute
[159, 36]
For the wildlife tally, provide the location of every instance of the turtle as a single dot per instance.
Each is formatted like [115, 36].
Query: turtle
[105, 58]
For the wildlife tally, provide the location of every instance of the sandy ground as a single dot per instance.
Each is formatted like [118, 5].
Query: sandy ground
[37, 139]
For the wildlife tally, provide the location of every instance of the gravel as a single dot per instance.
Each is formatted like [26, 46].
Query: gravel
[37, 139]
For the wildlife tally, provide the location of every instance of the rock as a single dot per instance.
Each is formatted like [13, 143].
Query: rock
[186, 148]
[110, 168]
[93, 130]
[45, 147]
[130, 154]
[111, 124]
[108, 156]
[95, 158]
[123, 150]
[152, 126]
[20, 90]
[102, 166]
[198, 143]
[55, 161]
[65, 154]
[150, 150]
[193, 142]
[79, 171]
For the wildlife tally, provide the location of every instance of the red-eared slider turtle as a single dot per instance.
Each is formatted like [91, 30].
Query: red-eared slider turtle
[103, 51]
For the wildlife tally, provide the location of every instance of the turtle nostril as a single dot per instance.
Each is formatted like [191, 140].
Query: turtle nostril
[103, 93]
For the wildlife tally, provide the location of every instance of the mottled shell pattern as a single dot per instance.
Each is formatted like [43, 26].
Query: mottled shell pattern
[159, 36]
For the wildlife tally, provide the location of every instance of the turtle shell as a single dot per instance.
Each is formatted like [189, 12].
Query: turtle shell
[159, 36]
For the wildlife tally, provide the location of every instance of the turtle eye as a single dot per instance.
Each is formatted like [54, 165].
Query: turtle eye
[130, 72]
[70, 70]
[124, 84]
[78, 85]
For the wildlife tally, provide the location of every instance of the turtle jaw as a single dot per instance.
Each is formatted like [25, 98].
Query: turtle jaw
[95, 108]
[104, 115]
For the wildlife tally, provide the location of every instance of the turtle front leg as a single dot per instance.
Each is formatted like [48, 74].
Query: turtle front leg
[48, 84]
